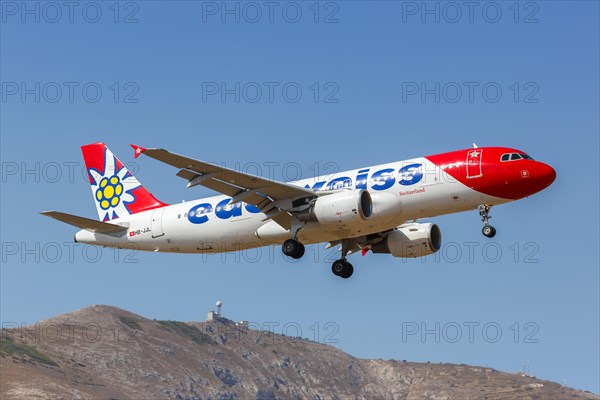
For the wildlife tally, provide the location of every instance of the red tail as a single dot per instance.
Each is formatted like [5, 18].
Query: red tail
[117, 193]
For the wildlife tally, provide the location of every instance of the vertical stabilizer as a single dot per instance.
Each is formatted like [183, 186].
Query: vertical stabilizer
[117, 193]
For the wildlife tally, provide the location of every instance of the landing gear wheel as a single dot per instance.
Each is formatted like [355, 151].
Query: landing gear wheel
[293, 248]
[338, 267]
[300, 253]
[342, 268]
[348, 272]
[489, 231]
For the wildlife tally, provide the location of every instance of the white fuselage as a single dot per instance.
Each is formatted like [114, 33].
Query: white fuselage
[209, 225]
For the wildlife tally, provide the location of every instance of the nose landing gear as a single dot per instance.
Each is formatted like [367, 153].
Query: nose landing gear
[487, 229]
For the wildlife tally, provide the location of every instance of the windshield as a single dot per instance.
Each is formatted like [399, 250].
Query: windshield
[515, 156]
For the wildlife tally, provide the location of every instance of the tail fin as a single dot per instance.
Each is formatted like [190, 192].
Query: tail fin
[117, 193]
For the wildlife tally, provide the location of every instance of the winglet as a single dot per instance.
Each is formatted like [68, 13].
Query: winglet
[137, 150]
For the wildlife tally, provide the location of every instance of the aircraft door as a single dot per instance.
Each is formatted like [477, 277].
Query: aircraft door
[156, 226]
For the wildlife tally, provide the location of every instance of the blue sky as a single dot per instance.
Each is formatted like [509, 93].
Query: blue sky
[343, 96]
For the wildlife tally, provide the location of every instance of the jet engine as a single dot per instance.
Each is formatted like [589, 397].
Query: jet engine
[386, 206]
[346, 207]
[411, 240]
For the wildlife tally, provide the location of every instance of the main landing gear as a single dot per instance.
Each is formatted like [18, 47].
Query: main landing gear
[487, 229]
[342, 268]
[293, 248]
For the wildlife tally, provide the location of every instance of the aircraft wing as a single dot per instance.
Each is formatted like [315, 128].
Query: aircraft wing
[91, 225]
[272, 197]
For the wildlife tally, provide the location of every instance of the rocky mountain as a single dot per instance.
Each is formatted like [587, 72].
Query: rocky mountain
[103, 352]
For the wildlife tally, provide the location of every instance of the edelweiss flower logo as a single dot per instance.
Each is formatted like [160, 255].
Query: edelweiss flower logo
[109, 192]
[112, 190]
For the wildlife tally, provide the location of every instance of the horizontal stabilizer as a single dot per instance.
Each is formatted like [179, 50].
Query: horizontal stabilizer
[91, 225]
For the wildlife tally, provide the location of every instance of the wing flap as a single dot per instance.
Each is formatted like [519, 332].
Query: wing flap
[91, 225]
[221, 187]
[188, 175]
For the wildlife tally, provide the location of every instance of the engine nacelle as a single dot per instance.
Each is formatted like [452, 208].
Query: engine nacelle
[386, 206]
[411, 240]
[346, 207]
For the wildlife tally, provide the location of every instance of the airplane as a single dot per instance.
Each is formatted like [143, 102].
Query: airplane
[373, 209]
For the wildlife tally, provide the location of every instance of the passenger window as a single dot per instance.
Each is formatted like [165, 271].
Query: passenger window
[505, 157]
[515, 156]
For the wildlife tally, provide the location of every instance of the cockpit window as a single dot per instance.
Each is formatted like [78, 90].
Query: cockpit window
[515, 156]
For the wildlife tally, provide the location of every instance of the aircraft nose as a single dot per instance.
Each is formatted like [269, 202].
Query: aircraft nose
[546, 174]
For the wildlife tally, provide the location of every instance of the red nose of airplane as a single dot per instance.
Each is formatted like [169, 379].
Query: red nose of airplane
[545, 175]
